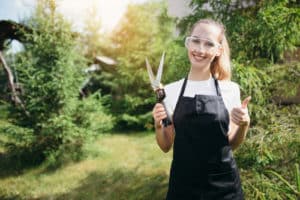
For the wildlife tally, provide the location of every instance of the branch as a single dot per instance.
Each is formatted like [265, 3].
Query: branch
[14, 96]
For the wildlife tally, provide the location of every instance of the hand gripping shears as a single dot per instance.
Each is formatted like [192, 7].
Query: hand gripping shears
[159, 89]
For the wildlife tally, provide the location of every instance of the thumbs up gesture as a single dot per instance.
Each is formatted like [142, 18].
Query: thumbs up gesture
[240, 115]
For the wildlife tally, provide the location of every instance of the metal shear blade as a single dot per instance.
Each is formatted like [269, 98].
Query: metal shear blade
[155, 82]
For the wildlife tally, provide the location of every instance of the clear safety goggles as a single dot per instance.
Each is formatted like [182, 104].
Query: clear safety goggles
[207, 45]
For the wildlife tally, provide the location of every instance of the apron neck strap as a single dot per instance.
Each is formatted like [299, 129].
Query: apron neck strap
[183, 87]
[218, 90]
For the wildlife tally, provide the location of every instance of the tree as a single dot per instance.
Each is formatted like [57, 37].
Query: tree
[92, 38]
[50, 70]
[10, 31]
[145, 31]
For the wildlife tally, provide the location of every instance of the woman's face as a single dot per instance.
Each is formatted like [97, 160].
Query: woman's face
[203, 45]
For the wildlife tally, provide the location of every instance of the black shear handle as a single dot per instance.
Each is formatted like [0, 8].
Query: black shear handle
[160, 96]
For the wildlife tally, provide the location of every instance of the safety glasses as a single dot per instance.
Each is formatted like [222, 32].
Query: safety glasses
[207, 45]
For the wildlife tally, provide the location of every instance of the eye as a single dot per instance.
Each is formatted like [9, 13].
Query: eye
[209, 44]
[196, 41]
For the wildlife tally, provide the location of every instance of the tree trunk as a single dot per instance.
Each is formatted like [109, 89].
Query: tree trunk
[14, 96]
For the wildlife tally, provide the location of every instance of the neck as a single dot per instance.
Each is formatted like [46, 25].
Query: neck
[199, 74]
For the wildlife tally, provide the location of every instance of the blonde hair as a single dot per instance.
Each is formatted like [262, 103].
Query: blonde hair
[220, 66]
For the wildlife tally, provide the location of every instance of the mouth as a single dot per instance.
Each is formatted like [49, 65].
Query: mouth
[198, 57]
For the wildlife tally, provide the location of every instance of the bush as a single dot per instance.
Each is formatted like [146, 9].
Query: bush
[50, 73]
[256, 29]
[268, 156]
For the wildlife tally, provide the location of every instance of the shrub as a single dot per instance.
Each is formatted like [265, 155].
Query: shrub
[50, 72]
[256, 29]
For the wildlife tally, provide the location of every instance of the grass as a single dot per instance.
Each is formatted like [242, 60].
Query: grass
[120, 167]
[127, 167]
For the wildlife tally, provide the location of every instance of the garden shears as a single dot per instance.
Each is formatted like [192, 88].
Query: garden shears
[159, 89]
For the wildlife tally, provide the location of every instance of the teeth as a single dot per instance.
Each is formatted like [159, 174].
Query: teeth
[199, 57]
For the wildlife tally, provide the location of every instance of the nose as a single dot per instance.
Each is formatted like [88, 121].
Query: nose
[200, 48]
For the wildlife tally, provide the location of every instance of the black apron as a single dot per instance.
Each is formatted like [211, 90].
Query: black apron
[203, 167]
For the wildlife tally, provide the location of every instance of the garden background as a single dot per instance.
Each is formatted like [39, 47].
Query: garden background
[75, 106]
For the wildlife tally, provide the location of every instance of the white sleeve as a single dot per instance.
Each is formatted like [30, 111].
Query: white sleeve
[231, 95]
[172, 93]
[236, 98]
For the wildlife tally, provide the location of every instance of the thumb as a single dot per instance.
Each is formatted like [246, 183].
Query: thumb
[245, 102]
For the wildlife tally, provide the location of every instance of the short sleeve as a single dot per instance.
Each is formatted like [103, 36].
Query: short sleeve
[231, 94]
[236, 97]
[172, 93]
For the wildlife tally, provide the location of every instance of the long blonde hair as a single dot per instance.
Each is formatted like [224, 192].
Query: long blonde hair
[220, 66]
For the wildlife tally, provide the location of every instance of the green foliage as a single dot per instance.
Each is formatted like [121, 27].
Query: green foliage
[255, 83]
[252, 81]
[3, 83]
[177, 62]
[269, 139]
[269, 185]
[92, 116]
[256, 29]
[49, 69]
[285, 79]
[289, 188]
[268, 156]
[144, 31]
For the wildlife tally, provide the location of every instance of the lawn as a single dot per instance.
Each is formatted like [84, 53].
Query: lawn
[131, 167]
[119, 167]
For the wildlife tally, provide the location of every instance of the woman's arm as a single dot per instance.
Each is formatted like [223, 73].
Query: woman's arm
[237, 134]
[164, 135]
[239, 124]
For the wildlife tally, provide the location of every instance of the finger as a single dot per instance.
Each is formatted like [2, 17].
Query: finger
[161, 109]
[237, 116]
[158, 105]
[245, 102]
[246, 119]
[160, 117]
[235, 120]
[158, 108]
[240, 120]
[239, 111]
[158, 112]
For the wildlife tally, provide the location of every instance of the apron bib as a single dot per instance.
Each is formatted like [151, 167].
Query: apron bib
[203, 167]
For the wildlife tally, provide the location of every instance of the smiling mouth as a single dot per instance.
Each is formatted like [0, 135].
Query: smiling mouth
[198, 57]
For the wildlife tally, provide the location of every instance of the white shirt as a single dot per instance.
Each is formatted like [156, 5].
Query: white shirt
[230, 92]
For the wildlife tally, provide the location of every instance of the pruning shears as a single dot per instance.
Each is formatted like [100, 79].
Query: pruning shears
[159, 89]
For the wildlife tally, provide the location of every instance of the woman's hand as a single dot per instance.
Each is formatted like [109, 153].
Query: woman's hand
[158, 113]
[164, 135]
[240, 115]
[241, 120]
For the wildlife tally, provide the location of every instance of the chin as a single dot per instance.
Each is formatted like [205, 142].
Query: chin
[200, 64]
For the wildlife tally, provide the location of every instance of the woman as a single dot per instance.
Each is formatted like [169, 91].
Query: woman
[208, 122]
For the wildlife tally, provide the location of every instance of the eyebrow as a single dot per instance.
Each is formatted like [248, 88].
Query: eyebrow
[207, 39]
[194, 36]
